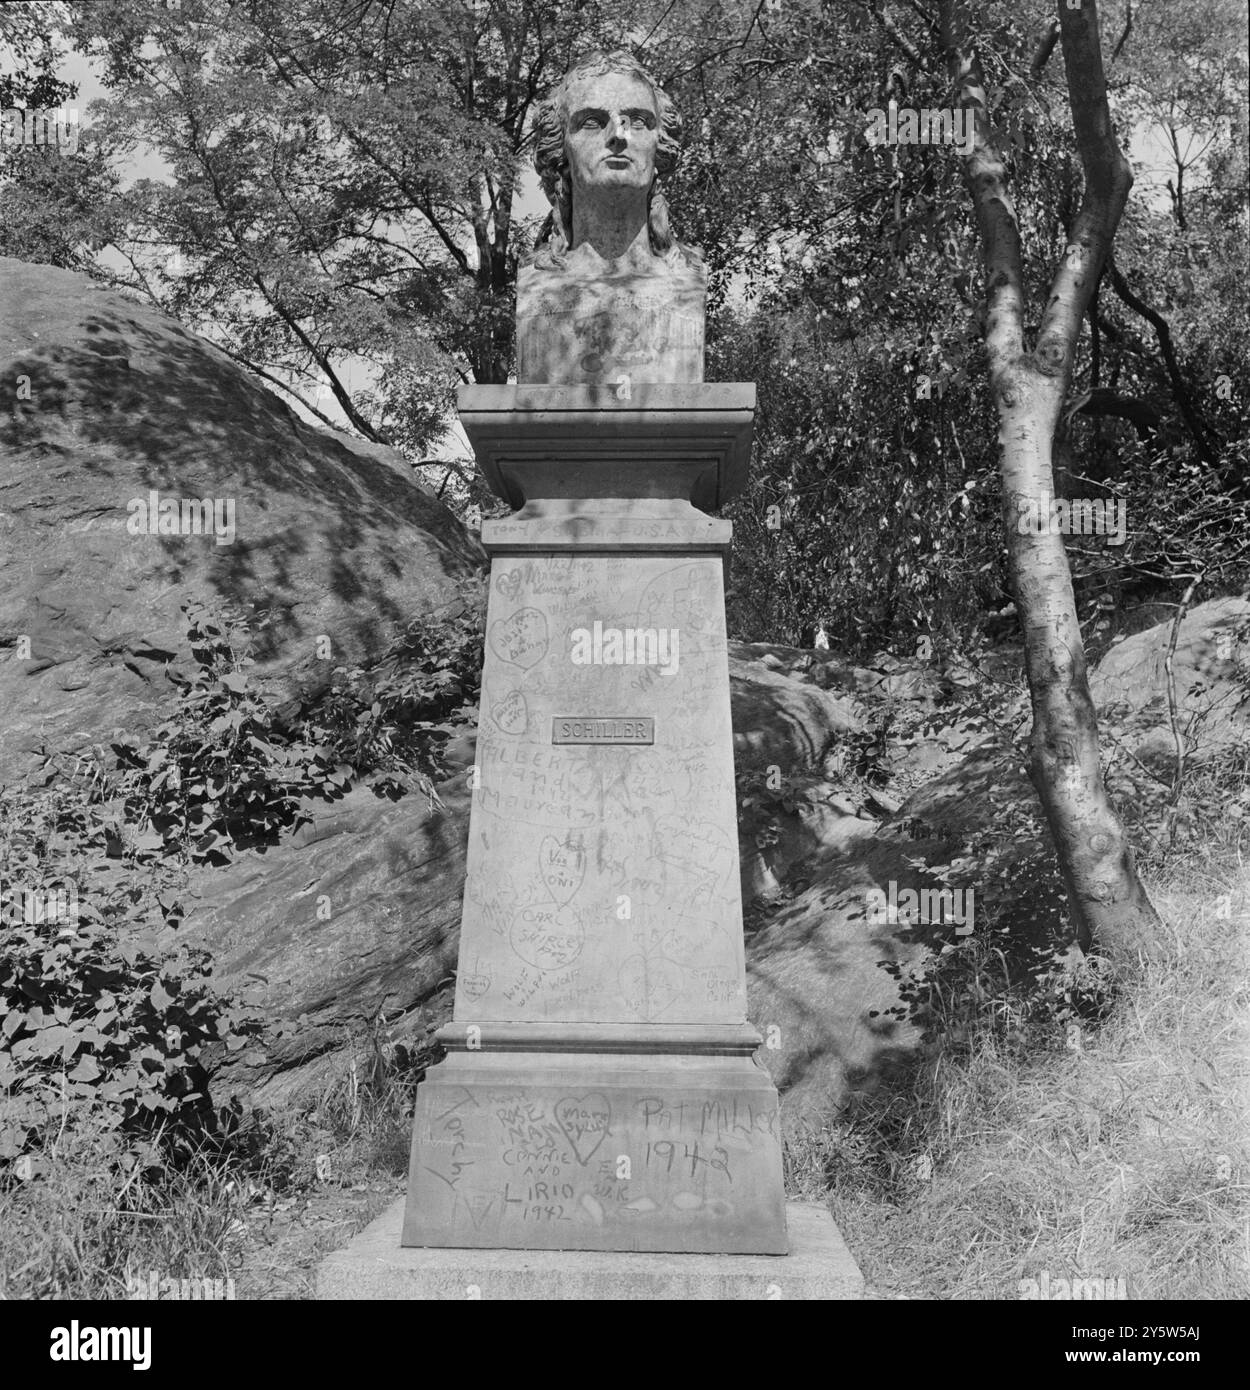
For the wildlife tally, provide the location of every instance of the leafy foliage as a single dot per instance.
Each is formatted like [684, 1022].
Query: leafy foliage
[225, 772]
[103, 1009]
[29, 57]
[345, 216]
[219, 774]
[391, 725]
[100, 1006]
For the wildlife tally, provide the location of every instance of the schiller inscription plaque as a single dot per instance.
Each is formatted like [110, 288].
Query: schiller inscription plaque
[576, 729]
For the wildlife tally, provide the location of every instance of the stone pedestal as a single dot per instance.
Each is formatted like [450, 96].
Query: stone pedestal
[375, 1266]
[601, 1092]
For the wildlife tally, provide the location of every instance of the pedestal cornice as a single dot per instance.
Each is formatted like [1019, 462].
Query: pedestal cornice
[691, 442]
[694, 1039]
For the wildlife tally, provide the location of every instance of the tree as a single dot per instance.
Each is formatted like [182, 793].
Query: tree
[1030, 360]
[1030, 382]
[345, 200]
[343, 214]
[28, 57]
[49, 197]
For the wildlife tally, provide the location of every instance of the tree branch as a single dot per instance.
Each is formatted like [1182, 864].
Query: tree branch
[900, 40]
[1128, 29]
[919, 9]
[1108, 179]
[278, 382]
[1144, 417]
[1046, 42]
[986, 177]
[1184, 402]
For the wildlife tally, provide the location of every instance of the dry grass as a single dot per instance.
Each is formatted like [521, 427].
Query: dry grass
[1125, 1159]
[260, 1210]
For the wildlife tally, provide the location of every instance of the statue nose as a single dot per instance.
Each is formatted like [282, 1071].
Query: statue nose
[620, 130]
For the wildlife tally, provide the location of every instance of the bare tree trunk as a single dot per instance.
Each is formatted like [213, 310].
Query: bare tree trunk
[1029, 387]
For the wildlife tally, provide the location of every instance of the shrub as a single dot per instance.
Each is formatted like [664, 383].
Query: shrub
[105, 1010]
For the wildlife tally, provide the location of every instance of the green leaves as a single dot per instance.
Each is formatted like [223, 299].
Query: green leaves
[388, 728]
[116, 1011]
[110, 1010]
[112, 1023]
[88, 1069]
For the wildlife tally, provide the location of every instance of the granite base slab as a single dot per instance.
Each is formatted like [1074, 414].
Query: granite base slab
[375, 1266]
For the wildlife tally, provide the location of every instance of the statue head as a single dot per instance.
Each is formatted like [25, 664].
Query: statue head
[573, 159]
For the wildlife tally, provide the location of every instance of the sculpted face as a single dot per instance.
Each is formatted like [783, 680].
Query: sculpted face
[611, 133]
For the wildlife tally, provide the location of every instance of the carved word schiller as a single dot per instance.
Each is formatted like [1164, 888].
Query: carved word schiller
[574, 728]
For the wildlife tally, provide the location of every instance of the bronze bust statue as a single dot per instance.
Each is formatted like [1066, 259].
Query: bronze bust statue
[609, 296]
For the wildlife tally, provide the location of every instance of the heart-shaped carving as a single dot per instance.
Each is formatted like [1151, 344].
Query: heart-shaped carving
[474, 986]
[562, 867]
[584, 1122]
[479, 1206]
[508, 583]
[511, 713]
[649, 986]
[521, 639]
[547, 937]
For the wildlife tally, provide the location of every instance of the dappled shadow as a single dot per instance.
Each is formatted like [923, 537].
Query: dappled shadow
[826, 966]
[353, 918]
[106, 402]
[782, 721]
[143, 405]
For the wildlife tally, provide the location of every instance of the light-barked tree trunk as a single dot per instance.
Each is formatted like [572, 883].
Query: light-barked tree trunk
[1029, 385]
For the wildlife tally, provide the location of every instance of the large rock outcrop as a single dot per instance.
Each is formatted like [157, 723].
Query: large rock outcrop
[104, 401]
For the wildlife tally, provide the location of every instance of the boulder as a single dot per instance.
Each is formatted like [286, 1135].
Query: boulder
[351, 922]
[1211, 674]
[780, 720]
[107, 401]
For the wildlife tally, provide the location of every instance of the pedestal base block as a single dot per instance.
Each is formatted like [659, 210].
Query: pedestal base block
[593, 1151]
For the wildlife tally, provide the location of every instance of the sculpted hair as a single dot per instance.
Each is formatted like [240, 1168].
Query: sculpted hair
[550, 124]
